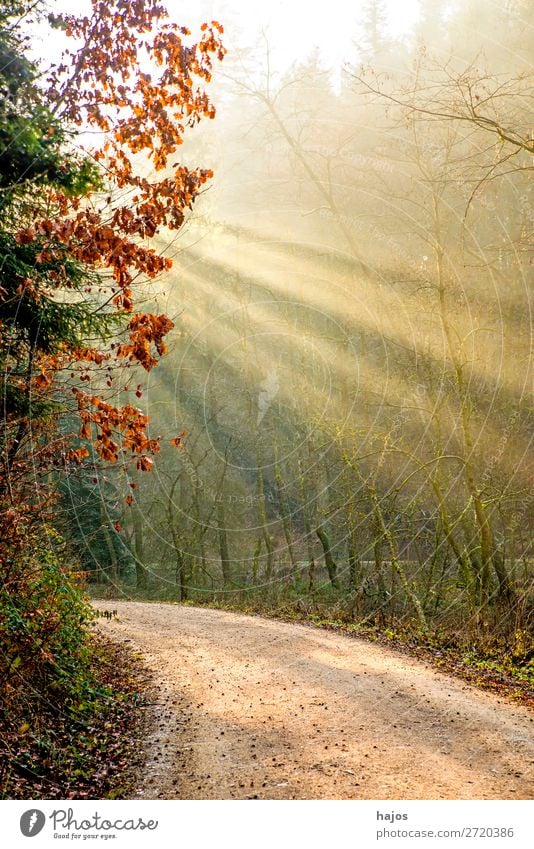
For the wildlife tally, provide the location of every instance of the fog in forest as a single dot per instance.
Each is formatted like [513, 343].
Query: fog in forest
[351, 358]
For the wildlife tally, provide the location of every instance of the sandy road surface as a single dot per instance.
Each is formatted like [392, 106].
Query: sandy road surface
[251, 708]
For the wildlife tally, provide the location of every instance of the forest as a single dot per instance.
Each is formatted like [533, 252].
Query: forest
[289, 373]
[350, 364]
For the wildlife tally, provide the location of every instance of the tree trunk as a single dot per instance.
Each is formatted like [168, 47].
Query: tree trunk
[330, 563]
[304, 494]
[226, 566]
[286, 522]
[179, 575]
[262, 519]
[141, 572]
[485, 534]
[354, 560]
[396, 562]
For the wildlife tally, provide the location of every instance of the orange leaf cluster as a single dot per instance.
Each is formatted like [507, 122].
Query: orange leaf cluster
[127, 423]
[146, 330]
[178, 441]
[137, 79]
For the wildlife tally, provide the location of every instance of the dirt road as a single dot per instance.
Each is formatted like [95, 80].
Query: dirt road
[252, 708]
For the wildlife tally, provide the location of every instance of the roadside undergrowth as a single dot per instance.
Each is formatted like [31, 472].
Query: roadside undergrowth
[85, 747]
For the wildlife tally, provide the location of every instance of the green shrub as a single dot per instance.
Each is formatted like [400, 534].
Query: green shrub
[43, 617]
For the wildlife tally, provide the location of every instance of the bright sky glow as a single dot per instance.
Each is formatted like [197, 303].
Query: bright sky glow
[298, 26]
[294, 27]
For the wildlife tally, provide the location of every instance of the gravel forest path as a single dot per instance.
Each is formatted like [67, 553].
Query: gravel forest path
[248, 708]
